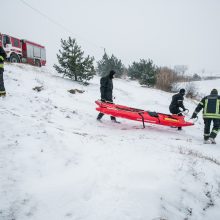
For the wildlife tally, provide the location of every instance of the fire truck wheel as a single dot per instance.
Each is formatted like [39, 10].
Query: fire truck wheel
[37, 63]
[14, 58]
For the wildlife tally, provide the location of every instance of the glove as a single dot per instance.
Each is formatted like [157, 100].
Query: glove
[194, 115]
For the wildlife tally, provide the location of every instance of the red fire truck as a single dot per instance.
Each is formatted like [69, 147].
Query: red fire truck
[23, 51]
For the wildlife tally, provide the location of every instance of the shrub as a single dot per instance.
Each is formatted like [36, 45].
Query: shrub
[106, 64]
[191, 90]
[144, 71]
[165, 79]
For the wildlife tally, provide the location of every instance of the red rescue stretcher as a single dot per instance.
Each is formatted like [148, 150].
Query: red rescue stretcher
[142, 115]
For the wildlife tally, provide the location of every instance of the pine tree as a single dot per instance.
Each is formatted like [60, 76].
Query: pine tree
[144, 71]
[72, 63]
[135, 71]
[110, 63]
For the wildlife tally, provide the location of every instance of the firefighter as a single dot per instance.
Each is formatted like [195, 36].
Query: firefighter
[106, 89]
[2, 59]
[177, 103]
[211, 113]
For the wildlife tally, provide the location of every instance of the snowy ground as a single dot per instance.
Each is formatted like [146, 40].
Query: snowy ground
[58, 163]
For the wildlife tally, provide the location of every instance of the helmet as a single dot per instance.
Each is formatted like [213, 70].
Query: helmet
[182, 91]
[111, 74]
[214, 92]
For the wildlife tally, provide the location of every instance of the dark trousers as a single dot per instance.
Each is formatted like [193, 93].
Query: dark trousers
[215, 129]
[2, 87]
[177, 112]
[100, 115]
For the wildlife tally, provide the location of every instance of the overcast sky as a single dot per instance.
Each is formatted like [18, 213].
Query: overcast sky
[170, 32]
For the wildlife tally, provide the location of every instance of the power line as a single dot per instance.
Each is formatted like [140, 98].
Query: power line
[57, 23]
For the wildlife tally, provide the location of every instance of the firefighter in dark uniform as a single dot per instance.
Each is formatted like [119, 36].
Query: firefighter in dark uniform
[106, 89]
[2, 59]
[177, 103]
[211, 113]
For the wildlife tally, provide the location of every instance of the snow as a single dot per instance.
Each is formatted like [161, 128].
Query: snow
[57, 162]
[204, 87]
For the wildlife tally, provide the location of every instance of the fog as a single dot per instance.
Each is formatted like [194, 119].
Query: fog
[171, 32]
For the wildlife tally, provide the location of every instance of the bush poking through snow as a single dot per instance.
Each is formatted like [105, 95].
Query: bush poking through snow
[38, 88]
[191, 90]
[74, 91]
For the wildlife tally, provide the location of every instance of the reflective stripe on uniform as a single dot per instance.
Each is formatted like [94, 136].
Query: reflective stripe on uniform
[217, 106]
[2, 92]
[215, 131]
[206, 105]
[201, 103]
[216, 116]
[2, 64]
[206, 135]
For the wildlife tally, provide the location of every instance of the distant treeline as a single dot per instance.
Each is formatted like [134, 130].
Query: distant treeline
[74, 65]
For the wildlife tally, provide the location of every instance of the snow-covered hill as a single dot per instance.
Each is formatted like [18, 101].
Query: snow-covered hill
[57, 162]
[202, 88]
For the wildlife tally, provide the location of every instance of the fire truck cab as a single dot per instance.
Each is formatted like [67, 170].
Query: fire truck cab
[23, 51]
[12, 47]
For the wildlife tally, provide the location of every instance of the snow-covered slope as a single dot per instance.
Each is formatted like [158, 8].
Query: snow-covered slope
[57, 162]
[204, 87]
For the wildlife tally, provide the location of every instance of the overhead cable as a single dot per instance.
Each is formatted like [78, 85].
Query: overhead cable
[57, 23]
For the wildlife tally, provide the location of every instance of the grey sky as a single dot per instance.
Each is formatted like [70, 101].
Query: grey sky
[170, 32]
